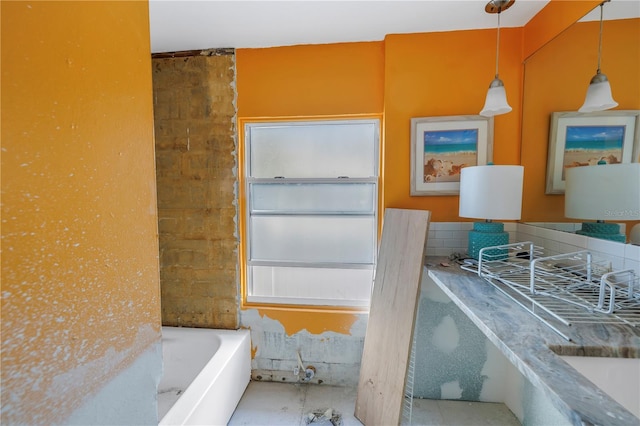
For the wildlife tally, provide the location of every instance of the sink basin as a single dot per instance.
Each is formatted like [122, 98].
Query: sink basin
[618, 377]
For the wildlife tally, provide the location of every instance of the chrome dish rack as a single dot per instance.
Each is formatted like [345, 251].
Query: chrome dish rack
[566, 288]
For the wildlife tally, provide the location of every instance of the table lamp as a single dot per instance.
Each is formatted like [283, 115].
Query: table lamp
[491, 193]
[603, 192]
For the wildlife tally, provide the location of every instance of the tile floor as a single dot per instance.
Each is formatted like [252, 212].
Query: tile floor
[272, 403]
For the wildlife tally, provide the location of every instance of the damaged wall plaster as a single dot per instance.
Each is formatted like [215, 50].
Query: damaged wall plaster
[80, 288]
[335, 356]
[455, 360]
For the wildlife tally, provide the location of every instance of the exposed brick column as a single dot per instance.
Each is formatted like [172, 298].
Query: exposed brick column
[195, 132]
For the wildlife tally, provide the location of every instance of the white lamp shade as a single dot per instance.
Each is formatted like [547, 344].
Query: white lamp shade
[603, 192]
[598, 97]
[496, 102]
[491, 192]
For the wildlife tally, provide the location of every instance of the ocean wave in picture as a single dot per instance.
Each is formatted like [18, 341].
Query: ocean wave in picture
[594, 138]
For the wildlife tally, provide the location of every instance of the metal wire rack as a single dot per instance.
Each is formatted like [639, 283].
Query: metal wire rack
[562, 289]
[407, 404]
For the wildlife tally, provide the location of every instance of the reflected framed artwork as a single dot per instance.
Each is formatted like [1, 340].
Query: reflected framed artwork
[579, 140]
[442, 146]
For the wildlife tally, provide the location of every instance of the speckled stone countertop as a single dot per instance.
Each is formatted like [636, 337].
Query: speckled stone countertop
[534, 348]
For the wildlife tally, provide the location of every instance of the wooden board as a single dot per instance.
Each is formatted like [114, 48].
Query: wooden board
[387, 343]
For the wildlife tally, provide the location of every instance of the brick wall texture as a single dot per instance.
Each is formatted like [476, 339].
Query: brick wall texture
[195, 132]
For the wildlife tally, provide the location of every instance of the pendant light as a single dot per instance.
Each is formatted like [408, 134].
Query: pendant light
[496, 101]
[599, 92]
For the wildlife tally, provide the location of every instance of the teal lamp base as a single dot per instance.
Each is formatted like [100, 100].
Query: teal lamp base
[602, 230]
[488, 234]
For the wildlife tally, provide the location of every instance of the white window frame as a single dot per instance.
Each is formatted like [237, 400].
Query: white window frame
[249, 181]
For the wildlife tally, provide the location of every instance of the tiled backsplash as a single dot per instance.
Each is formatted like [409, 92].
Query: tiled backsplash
[620, 256]
[446, 238]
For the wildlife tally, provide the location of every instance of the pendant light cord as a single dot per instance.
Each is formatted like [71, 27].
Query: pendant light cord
[600, 40]
[498, 44]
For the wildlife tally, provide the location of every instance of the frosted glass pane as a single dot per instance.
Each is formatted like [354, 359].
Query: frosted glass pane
[305, 198]
[341, 239]
[311, 283]
[313, 150]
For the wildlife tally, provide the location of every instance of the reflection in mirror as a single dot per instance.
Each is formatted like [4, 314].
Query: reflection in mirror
[556, 78]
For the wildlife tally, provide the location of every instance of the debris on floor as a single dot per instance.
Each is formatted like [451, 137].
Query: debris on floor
[324, 417]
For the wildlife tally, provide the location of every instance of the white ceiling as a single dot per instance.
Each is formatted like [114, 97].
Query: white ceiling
[178, 25]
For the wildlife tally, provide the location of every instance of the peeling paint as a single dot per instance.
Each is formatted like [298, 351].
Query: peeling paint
[314, 322]
[336, 356]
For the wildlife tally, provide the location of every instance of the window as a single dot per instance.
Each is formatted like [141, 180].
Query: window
[311, 214]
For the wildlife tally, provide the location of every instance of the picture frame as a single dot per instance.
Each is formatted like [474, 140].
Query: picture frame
[442, 146]
[582, 139]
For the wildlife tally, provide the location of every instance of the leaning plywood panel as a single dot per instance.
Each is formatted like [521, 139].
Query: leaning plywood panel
[387, 343]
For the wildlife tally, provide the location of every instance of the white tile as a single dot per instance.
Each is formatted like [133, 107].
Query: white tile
[466, 226]
[510, 226]
[454, 243]
[270, 403]
[572, 239]
[548, 234]
[568, 248]
[476, 413]
[441, 252]
[612, 248]
[426, 412]
[632, 252]
[444, 226]
[444, 234]
[525, 228]
[435, 242]
[551, 247]
[632, 264]
[607, 261]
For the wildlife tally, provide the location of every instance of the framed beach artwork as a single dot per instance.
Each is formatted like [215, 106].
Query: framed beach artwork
[442, 146]
[581, 140]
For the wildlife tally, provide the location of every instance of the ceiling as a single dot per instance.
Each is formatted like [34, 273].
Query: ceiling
[178, 25]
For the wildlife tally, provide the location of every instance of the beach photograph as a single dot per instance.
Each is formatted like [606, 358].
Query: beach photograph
[446, 152]
[588, 145]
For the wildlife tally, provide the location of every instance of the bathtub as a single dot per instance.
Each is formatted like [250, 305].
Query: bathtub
[206, 371]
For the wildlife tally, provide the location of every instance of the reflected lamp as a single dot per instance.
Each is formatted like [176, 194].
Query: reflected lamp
[491, 193]
[599, 96]
[603, 192]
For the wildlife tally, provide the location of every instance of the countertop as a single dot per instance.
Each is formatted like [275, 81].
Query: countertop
[534, 348]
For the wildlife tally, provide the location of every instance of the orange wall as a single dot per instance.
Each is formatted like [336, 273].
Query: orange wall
[554, 18]
[442, 74]
[556, 80]
[311, 80]
[405, 76]
[423, 75]
[80, 286]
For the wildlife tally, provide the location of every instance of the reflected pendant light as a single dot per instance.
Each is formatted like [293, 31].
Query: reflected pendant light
[599, 92]
[496, 101]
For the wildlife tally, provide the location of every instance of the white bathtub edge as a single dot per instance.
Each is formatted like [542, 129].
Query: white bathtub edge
[215, 393]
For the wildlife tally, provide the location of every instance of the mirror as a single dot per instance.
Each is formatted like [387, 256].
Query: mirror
[556, 78]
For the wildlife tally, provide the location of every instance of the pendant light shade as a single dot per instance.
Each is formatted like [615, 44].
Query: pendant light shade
[598, 95]
[496, 100]
[599, 92]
